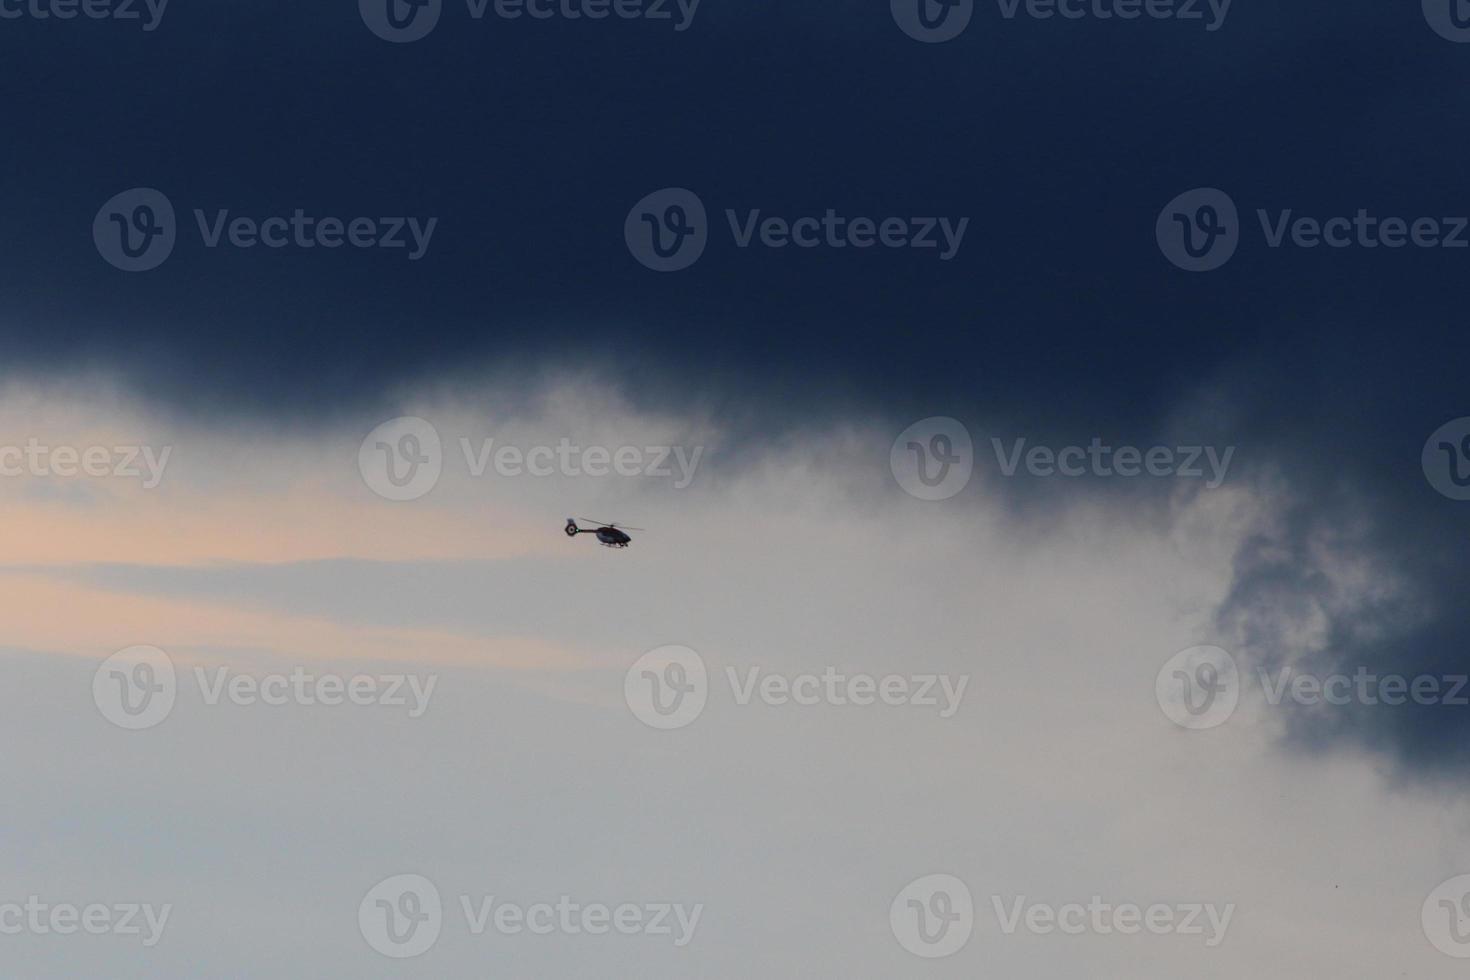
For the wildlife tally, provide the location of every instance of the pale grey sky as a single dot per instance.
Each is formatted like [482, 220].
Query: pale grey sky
[529, 775]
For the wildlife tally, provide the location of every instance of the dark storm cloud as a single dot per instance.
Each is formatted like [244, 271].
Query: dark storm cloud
[530, 141]
[1060, 141]
[1362, 550]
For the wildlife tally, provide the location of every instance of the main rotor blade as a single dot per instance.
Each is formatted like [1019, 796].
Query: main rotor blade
[621, 527]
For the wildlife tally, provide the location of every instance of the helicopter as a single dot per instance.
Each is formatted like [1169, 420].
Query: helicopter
[611, 535]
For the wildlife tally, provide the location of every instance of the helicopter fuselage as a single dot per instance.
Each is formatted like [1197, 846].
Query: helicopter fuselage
[609, 535]
[612, 537]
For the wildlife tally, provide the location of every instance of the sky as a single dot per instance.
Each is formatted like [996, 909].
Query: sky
[1049, 427]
